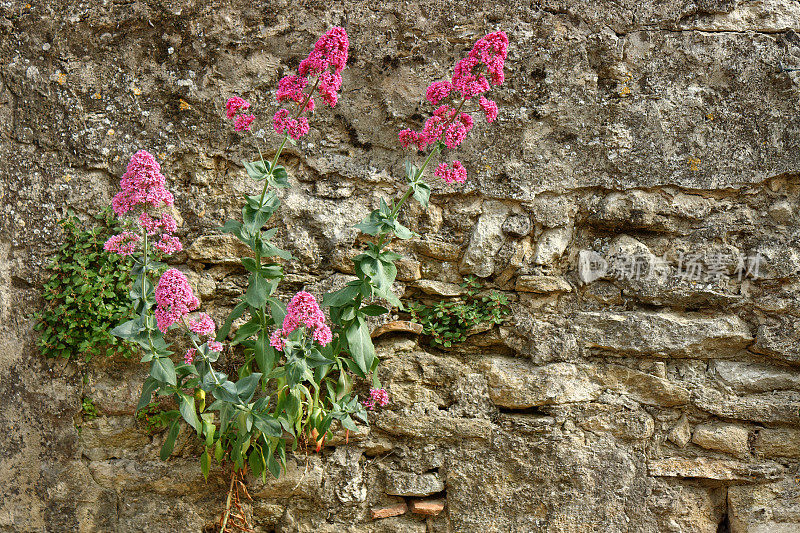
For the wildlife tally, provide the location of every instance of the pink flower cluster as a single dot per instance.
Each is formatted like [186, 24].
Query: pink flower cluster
[326, 62]
[445, 122]
[174, 299]
[142, 184]
[376, 397]
[449, 124]
[203, 325]
[122, 244]
[303, 310]
[235, 109]
[456, 174]
[488, 55]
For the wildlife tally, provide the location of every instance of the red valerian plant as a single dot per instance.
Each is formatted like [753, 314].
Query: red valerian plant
[299, 365]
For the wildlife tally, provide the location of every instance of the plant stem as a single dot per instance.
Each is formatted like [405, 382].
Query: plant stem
[228, 504]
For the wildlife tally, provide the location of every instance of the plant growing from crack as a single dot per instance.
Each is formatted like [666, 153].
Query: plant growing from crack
[299, 364]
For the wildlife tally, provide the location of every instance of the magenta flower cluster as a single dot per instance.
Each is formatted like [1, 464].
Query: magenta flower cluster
[122, 244]
[377, 397]
[449, 124]
[235, 110]
[174, 299]
[455, 174]
[144, 187]
[303, 310]
[326, 63]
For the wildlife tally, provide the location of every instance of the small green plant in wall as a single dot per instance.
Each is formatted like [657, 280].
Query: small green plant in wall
[450, 322]
[86, 295]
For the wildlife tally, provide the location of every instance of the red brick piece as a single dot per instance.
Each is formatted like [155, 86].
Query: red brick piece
[427, 507]
[386, 512]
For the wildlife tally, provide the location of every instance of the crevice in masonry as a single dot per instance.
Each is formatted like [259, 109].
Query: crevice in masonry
[532, 411]
[724, 524]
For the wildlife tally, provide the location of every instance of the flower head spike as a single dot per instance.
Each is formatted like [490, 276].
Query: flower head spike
[122, 244]
[142, 185]
[203, 325]
[325, 62]
[456, 174]
[174, 298]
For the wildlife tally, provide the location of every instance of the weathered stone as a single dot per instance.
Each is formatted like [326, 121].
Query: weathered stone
[485, 241]
[515, 384]
[642, 387]
[777, 442]
[551, 245]
[427, 507]
[726, 438]
[681, 432]
[397, 326]
[221, 248]
[780, 407]
[517, 226]
[717, 469]
[386, 512]
[437, 428]
[765, 508]
[542, 284]
[441, 250]
[408, 269]
[665, 128]
[439, 288]
[407, 484]
[665, 333]
[754, 377]
[779, 338]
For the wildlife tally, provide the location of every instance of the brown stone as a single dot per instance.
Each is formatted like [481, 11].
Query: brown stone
[397, 326]
[386, 512]
[427, 507]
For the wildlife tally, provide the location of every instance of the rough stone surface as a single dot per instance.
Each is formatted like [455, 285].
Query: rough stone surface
[666, 131]
[726, 438]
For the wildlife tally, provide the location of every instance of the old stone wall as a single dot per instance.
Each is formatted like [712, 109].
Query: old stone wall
[664, 130]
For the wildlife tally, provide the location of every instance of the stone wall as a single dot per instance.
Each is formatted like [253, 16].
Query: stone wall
[660, 129]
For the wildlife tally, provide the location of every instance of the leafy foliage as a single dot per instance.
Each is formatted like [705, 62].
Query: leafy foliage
[449, 322]
[86, 295]
[88, 409]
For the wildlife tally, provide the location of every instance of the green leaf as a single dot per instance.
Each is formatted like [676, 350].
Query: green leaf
[264, 354]
[205, 463]
[257, 291]
[374, 310]
[267, 425]
[401, 231]
[226, 392]
[247, 330]
[360, 343]
[169, 443]
[341, 297]
[226, 327]
[128, 329]
[218, 451]
[257, 170]
[274, 466]
[150, 385]
[422, 192]
[280, 178]
[163, 369]
[186, 405]
[246, 387]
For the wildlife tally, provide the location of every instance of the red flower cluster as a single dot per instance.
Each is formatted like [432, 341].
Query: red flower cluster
[235, 108]
[448, 124]
[143, 186]
[326, 62]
